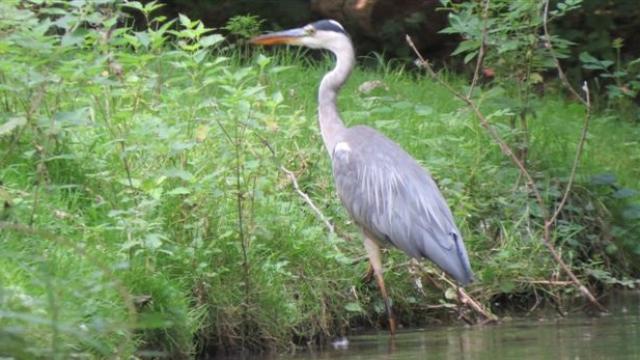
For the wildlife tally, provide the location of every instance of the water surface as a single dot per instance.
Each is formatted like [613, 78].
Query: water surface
[577, 336]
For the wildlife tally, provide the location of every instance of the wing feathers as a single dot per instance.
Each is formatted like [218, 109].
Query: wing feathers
[394, 199]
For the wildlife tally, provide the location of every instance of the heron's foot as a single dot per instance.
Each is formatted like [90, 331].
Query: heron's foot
[368, 276]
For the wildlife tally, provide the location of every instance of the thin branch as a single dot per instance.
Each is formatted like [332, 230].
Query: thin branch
[483, 39]
[586, 101]
[294, 181]
[484, 122]
[576, 160]
[307, 199]
[549, 46]
[547, 282]
[463, 297]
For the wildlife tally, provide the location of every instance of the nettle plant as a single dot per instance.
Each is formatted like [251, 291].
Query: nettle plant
[514, 54]
[620, 80]
[151, 127]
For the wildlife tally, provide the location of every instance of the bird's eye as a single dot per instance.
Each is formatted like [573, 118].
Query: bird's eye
[310, 30]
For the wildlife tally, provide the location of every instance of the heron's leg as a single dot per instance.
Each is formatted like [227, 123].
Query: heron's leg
[373, 251]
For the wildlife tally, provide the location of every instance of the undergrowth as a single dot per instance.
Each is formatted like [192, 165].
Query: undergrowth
[144, 212]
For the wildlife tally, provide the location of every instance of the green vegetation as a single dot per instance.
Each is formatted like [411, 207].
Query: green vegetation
[145, 211]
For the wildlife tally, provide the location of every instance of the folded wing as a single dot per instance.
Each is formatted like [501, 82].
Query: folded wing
[391, 196]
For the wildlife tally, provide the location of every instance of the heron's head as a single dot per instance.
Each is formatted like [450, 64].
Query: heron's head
[323, 34]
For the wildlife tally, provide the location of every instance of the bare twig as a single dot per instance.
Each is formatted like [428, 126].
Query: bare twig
[294, 181]
[483, 39]
[576, 160]
[549, 46]
[466, 299]
[463, 297]
[586, 101]
[506, 149]
[307, 199]
[548, 282]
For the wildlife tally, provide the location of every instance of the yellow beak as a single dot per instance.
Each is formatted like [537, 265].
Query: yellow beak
[291, 37]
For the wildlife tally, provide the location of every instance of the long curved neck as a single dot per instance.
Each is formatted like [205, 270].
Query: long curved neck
[331, 124]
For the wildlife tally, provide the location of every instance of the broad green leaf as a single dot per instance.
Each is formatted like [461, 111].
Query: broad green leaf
[134, 5]
[603, 179]
[424, 110]
[12, 124]
[470, 56]
[353, 307]
[466, 46]
[184, 21]
[153, 241]
[179, 173]
[210, 40]
[632, 212]
[624, 193]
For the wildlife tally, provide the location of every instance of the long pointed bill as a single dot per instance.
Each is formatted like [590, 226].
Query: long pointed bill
[291, 37]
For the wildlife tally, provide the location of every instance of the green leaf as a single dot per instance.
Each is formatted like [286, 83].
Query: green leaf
[13, 123]
[73, 38]
[134, 5]
[624, 193]
[262, 60]
[450, 294]
[632, 212]
[424, 110]
[507, 286]
[611, 248]
[153, 241]
[129, 244]
[210, 40]
[180, 190]
[466, 46]
[591, 63]
[470, 56]
[75, 117]
[603, 179]
[179, 173]
[184, 21]
[353, 307]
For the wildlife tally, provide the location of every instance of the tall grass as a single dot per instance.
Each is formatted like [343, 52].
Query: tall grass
[144, 214]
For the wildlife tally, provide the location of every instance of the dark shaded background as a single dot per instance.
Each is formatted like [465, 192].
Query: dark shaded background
[381, 27]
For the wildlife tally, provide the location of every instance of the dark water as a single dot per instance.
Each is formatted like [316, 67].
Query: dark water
[577, 336]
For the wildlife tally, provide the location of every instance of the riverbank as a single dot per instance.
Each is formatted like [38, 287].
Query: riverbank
[147, 207]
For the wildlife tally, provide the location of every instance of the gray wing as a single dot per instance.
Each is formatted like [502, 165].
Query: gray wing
[391, 196]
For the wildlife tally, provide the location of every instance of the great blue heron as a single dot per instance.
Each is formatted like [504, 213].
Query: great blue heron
[387, 193]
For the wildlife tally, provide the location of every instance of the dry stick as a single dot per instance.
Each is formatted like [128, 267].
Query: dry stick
[484, 122]
[307, 199]
[506, 149]
[464, 297]
[296, 186]
[548, 282]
